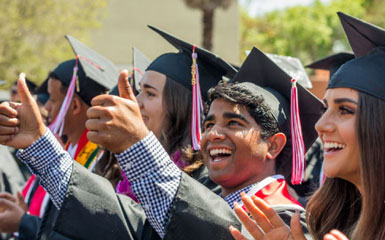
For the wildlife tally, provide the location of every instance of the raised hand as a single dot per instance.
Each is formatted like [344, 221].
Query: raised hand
[267, 225]
[19, 199]
[116, 122]
[20, 123]
[10, 216]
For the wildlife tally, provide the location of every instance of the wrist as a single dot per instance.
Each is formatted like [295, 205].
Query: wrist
[131, 141]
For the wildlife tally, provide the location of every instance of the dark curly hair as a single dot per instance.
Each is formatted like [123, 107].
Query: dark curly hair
[236, 93]
[256, 106]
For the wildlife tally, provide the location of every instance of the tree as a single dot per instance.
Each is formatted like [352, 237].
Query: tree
[32, 33]
[308, 32]
[208, 9]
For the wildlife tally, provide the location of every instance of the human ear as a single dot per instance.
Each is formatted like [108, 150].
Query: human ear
[76, 106]
[277, 143]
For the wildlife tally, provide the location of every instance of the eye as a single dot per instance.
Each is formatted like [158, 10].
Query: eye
[323, 109]
[345, 110]
[208, 125]
[149, 94]
[234, 123]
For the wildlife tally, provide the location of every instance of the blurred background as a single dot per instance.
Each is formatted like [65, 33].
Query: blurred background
[32, 31]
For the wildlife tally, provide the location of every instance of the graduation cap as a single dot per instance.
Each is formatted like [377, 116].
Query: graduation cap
[95, 73]
[140, 63]
[364, 73]
[292, 66]
[331, 63]
[194, 68]
[89, 75]
[362, 36]
[177, 66]
[260, 75]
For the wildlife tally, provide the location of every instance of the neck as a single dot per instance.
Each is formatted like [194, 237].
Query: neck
[227, 190]
[74, 136]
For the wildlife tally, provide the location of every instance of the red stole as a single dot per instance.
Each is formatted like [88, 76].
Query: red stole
[273, 190]
[40, 196]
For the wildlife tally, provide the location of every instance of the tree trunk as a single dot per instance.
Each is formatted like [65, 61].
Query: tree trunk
[208, 24]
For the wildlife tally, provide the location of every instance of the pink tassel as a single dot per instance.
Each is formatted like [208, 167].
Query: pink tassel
[322, 176]
[298, 146]
[197, 105]
[57, 125]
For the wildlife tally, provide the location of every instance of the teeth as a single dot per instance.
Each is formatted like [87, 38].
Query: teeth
[216, 152]
[334, 145]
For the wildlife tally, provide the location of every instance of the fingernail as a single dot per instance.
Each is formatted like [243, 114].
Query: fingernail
[16, 129]
[236, 205]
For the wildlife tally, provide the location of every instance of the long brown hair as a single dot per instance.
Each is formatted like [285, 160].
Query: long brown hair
[338, 203]
[176, 133]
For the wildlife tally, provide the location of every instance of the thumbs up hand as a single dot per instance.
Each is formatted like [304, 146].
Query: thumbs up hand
[116, 122]
[20, 123]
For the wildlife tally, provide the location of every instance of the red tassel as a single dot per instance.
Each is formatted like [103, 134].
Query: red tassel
[197, 105]
[298, 146]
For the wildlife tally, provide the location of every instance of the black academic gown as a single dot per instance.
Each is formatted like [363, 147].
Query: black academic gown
[92, 210]
[139, 228]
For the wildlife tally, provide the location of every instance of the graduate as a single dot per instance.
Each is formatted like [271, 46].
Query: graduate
[71, 86]
[352, 130]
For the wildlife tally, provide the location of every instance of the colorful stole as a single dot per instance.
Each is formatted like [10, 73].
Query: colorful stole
[273, 190]
[86, 154]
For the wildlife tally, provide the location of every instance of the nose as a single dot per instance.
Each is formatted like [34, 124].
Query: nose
[324, 124]
[215, 133]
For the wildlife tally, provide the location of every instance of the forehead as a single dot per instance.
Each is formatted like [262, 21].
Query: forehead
[220, 106]
[154, 79]
[333, 93]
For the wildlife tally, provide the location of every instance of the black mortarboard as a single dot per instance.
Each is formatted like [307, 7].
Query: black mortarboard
[292, 66]
[362, 36]
[364, 73]
[140, 63]
[274, 84]
[96, 74]
[331, 63]
[177, 66]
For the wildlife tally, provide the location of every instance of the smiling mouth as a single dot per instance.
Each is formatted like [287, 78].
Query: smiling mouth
[219, 154]
[333, 147]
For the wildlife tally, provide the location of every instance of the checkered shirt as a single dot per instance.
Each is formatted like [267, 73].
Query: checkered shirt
[236, 196]
[155, 179]
[47, 158]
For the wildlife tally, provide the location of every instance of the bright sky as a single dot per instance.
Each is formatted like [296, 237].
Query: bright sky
[259, 7]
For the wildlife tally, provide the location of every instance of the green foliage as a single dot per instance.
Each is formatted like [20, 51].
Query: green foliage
[306, 32]
[32, 33]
